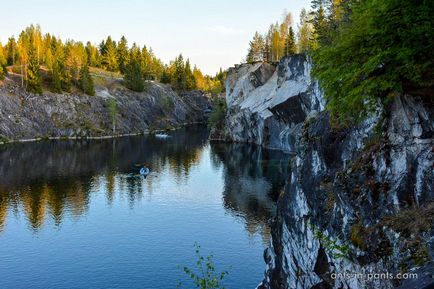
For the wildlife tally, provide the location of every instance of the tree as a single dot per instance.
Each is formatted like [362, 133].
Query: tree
[381, 52]
[109, 54]
[256, 48]
[190, 82]
[290, 46]
[133, 77]
[3, 62]
[122, 54]
[322, 32]
[93, 56]
[86, 81]
[32, 71]
[179, 80]
[12, 51]
[305, 32]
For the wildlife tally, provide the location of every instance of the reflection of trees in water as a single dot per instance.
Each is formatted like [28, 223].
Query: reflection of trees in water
[56, 177]
[254, 177]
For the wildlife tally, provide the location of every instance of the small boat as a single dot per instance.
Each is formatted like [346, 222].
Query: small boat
[144, 171]
[161, 135]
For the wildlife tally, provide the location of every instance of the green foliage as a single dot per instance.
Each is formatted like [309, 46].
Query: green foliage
[256, 49]
[85, 81]
[122, 54]
[382, 50]
[3, 63]
[179, 80]
[109, 55]
[133, 77]
[64, 61]
[305, 32]
[204, 276]
[217, 116]
[334, 249]
[290, 45]
[112, 109]
[190, 81]
[33, 74]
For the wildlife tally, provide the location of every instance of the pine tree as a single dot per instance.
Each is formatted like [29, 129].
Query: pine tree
[190, 81]
[93, 56]
[179, 80]
[109, 54]
[290, 46]
[256, 49]
[32, 71]
[165, 76]
[122, 54]
[133, 77]
[383, 51]
[86, 81]
[12, 51]
[3, 62]
[56, 78]
[305, 33]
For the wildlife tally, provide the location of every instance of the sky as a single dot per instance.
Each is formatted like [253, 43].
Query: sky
[212, 34]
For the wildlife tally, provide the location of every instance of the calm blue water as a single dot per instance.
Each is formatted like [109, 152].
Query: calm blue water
[76, 214]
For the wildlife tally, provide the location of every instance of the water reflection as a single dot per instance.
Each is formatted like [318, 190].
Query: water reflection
[253, 179]
[55, 179]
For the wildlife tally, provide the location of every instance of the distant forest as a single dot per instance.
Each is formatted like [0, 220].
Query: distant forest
[45, 61]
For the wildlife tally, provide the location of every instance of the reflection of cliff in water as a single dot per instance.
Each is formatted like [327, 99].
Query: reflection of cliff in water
[55, 177]
[254, 177]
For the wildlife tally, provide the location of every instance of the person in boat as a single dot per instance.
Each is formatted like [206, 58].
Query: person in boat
[144, 171]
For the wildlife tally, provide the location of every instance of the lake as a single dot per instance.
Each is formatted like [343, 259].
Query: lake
[77, 213]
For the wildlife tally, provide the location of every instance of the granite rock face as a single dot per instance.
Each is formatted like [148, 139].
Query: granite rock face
[27, 116]
[356, 200]
[267, 104]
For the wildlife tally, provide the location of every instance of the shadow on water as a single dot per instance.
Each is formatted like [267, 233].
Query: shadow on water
[52, 178]
[253, 179]
[57, 176]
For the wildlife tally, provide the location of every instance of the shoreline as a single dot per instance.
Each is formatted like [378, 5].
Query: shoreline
[148, 132]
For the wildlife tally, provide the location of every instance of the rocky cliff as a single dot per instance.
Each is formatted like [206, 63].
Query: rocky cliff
[358, 200]
[27, 116]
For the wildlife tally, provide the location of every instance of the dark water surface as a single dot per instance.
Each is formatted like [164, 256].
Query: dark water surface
[76, 214]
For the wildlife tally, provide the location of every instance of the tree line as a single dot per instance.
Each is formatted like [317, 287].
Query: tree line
[371, 51]
[43, 60]
[364, 51]
[281, 40]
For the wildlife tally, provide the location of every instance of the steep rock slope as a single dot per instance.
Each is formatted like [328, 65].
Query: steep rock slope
[26, 116]
[266, 105]
[357, 200]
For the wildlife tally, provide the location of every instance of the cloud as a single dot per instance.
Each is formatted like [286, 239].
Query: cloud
[226, 30]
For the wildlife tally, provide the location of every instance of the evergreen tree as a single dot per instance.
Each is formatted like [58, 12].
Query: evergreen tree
[381, 52]
[56, 78]
[179, 80]
[86, 81]
[3, 62]
[190, 82]
[165, 76]
[256, 48]
[133, 77]
[93, 56]
[122, 54]
[305, 32]
[12, 51]
[32, 71]
[290, 46]
[109, 54]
